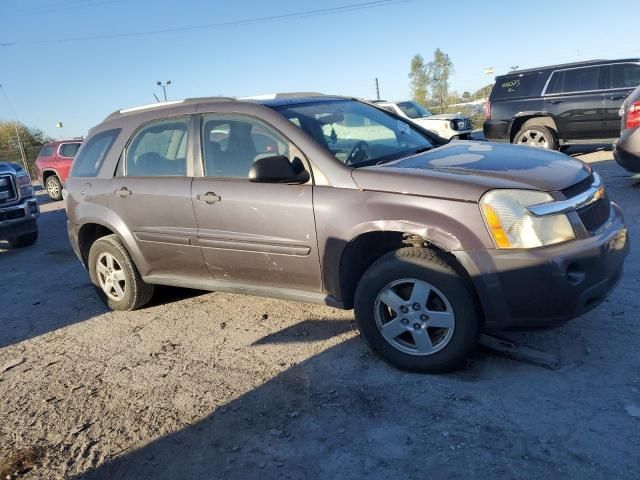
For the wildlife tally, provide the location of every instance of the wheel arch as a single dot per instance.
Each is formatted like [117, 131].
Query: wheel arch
[48, 172]
[367, 247]
[531, 118]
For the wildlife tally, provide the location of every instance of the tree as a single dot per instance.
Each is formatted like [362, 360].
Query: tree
[439, 71]
[29, 136]
[419, 79]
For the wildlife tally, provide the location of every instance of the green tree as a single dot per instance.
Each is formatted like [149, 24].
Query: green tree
[29, 136]
[439, 71]
[419, 77]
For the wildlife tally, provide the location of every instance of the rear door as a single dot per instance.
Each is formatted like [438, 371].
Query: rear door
[151, 198]
[621, 80]
[260, 234]
[574, 97]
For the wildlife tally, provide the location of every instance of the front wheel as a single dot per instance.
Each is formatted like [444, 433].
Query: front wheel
[115, 276]
[417, 311]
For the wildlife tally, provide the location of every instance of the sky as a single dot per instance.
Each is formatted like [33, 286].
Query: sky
[76, 61]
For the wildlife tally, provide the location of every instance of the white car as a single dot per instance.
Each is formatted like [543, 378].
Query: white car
[447, 125]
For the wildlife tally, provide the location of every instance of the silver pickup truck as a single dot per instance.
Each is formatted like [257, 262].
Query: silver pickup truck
[18, 206]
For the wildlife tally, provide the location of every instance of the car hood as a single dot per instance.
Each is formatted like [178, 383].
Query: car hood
[464, 170]
[444, 116]
[6, 167]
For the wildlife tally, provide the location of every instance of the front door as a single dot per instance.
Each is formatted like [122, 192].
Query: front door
[150, 199]
[257, 234]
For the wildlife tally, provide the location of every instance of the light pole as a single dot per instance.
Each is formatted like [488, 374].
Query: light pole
[164, 87]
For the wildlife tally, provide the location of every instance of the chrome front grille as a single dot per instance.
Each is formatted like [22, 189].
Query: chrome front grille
[8, 192]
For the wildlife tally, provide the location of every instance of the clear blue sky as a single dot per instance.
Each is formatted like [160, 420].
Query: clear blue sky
[80, 82]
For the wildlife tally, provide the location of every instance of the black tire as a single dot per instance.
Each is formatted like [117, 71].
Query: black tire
[136, 292]
[53, 186]
[23, 240]
[549, 136]
[427, 266]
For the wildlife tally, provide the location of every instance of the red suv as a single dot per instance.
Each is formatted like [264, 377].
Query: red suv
[53, 164]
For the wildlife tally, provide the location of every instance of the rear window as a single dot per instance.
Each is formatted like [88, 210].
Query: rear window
[625, 75]
[574, 80]
[90, 158]
[514, 86]
[69, 150]
[46, 151]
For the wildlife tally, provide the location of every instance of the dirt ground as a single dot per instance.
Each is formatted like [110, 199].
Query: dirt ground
[210, 385]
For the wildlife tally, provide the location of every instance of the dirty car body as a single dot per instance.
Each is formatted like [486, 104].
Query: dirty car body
[366, 197]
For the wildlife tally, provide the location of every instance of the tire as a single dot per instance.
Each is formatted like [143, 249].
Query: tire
[23, 240]
[131, 292]
[53, 186]
[451, 301]
[537, 136]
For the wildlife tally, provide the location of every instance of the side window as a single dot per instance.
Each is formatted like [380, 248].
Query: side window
[231, 144]
[69, 150]
[574, 80]
[46, 151]
[90, 158]
[159, 149]
[625, 75]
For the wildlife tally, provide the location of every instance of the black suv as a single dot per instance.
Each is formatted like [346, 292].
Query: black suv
[568, 104]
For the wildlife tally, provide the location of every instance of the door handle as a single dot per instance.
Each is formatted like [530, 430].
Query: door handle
[208, 198]
[123, 192]
[616, 97]
[555, 102]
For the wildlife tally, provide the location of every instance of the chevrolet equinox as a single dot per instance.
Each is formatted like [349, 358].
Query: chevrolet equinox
[333, 200]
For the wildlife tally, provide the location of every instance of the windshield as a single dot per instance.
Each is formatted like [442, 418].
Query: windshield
[355, 133]
[414, 110]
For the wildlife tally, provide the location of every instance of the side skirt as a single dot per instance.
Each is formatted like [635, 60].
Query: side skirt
[244, 289]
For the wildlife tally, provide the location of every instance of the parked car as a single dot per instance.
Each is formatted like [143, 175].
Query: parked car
[53, 164]
[18, 206]
[447, 125]
[346, 205]
[550, 107]
[626, 150]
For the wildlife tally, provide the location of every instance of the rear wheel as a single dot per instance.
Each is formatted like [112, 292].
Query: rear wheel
[537, 136]
[417, 311]
[54, 187]
[115, 277]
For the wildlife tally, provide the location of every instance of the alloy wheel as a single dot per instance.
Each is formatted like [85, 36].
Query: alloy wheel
[414, 316]
[111, 276]
[532, 138]
[53, 188]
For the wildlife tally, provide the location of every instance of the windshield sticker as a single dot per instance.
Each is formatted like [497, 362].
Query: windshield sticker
[511, 85]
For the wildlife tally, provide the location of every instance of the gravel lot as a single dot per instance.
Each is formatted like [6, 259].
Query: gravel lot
[209, 385]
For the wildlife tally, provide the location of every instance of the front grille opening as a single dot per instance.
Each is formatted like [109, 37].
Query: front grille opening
[595, 215]
[7, 190]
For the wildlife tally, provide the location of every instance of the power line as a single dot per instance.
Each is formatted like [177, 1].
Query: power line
[60, 7]
[248, 21]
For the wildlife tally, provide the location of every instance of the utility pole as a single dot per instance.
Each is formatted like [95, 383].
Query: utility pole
[164, 87]
[20, 145]
[377, 89]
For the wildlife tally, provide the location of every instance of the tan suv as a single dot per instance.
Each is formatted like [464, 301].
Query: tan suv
[332, 200]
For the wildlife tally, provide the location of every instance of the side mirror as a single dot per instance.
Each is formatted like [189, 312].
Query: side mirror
[278, 169]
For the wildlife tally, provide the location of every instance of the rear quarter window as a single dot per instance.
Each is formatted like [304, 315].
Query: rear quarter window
[89, 160]
[69, 150]
[46, 151]
[514, 86]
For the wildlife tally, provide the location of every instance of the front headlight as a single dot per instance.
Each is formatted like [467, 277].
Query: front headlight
[24, 184]
[511, 225]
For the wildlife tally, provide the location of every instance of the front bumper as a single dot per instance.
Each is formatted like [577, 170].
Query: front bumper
[626, 150]
[19, 219]
[520, 289]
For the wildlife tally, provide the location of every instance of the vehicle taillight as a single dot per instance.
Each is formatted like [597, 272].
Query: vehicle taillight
[487, 110]
[633, 115]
